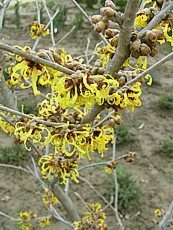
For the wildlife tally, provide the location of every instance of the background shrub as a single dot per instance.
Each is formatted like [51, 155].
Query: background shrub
[123, 134]
[15, 154]
[129, 193]
[166, 102]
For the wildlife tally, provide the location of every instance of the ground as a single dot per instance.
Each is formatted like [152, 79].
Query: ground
[150, 125]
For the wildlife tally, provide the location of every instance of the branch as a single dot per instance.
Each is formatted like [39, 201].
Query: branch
[66, 202]
[163, 60]
[121, 54]
[97, 192]
[35, 58]
[157, 19]
[122, 51]
[116, 186]
[17, 113]
[104, 162]
[167, 218]
[51, 23]
[65, 36]
[89, 20]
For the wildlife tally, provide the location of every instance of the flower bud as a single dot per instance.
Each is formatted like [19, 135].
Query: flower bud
[122, 80]
[151, 36]
[96, 18]
[145, 50]
[154, 51]
[114, 40]
[99, 27]
[109, 3]
[135, 46]
[107, 11]
[101, 70]
[159, 34]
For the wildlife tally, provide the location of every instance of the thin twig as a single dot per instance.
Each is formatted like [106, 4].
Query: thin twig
[86, 51]
[35, 58]
[97, 192]
[65, 36]
[104, 162]
[104, 119]
[51, 23]
[167, 218]
[157, 19]
[116, 186]
[36, 119]
[38, 11]
[15, 167]
[160, 62]
[89, 20]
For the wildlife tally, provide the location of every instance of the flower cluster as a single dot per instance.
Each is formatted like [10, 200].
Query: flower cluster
[5, 126]
[94, 218]
[60, 167]
[30, 219]
[49, 198]
[38, 30]
[29, 130]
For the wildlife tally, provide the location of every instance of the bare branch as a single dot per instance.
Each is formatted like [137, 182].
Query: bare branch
[89, 20]
[167, 218]
[157, 19]
[65, 36]
[122, 51]
[38, 10]
[116, 186]
[17, 113]
[51, 23]
[35, 58]
[163, 60]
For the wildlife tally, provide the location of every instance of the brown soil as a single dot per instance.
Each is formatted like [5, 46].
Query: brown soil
[151, 169]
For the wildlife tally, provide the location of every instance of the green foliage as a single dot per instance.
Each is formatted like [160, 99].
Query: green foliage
[128, 193]
[78, 21]
[120, 3]
[61, 17]
[88, 3]
[28, 106]
[123, 134]
[17, 15]
[167, 148]
[14, 154]
[166, 102]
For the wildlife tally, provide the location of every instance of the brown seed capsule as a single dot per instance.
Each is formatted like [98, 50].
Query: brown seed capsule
[109, 3]
[114, 41]
[135, 46]
[94, 71]
[107, 12]
[154, 51]
[109, 33]
[112, 123]
[99, 27]
[101, 70]
[151, 36]
[135, 54]
[145, 50]
[122, 80]
[134, 36]
[96, 18]
[159, 34]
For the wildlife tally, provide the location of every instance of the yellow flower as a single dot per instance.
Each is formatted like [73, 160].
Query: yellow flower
[43, 222]
[59, 166]
[50, 198]
[141, 20]
[25, 215]
[38, 30]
